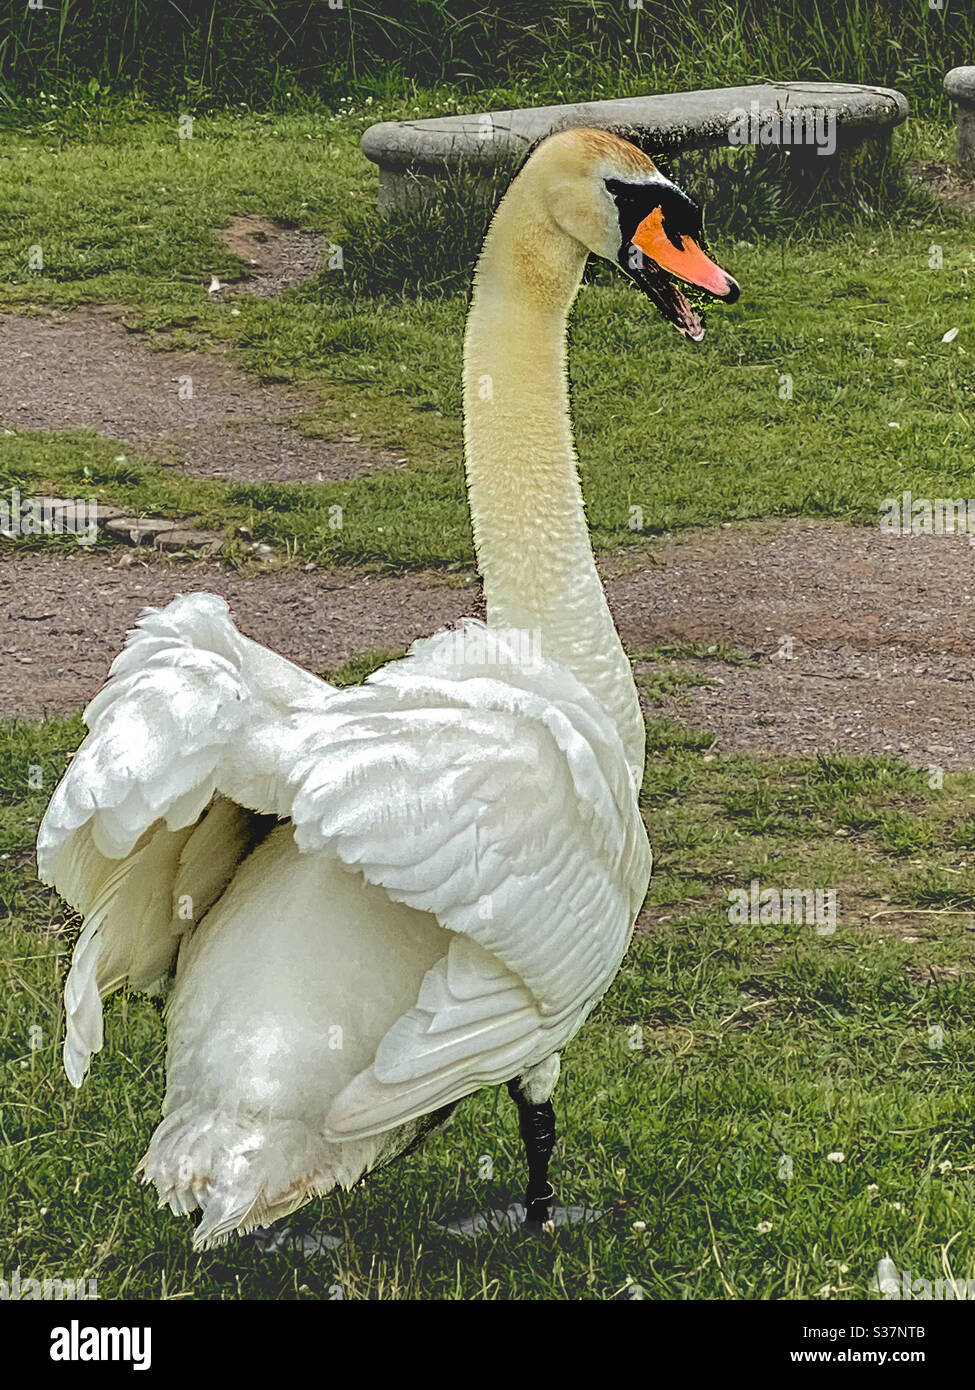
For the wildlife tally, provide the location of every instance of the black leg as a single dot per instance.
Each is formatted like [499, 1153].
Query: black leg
[536, 1124]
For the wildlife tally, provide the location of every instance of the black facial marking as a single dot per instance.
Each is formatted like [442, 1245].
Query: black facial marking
[680, 218]
[635, 201]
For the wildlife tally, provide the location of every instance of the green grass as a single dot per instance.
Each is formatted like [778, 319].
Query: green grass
[719, 1052]
[283, 50]
[354, 672]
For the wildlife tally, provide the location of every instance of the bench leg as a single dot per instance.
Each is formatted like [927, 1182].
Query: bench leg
[965, 149]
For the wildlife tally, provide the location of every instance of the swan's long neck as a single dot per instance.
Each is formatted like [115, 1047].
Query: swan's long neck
[530, 529]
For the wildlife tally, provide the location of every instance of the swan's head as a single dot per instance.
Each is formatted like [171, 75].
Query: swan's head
[610, 196]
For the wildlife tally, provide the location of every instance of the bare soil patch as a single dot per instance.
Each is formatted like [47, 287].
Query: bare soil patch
[946, 184]
[882, 656]
[65, 616]
[280, 257]
[84, 370]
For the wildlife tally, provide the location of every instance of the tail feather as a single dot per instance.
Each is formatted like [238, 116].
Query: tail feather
[243, 1172]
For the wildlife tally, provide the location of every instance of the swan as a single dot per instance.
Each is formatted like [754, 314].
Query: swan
[365, 904]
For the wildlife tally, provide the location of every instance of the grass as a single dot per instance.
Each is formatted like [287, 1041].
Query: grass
[286, 50]
[720, 1056]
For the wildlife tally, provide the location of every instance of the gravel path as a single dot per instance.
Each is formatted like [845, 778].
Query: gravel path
[882, 658]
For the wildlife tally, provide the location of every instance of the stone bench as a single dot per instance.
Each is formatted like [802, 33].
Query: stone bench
[415, 157]
[960, 86]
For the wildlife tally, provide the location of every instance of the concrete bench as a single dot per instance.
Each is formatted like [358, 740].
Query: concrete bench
[415, 157]
[960, 86]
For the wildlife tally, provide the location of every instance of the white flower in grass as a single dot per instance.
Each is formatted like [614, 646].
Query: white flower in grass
[763, 1228]
[837, 1156]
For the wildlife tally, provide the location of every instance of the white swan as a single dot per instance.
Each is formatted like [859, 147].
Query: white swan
[375, 901]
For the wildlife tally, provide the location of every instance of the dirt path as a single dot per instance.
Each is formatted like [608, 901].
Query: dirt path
[882, 648]
[883, 658]
[84, 370]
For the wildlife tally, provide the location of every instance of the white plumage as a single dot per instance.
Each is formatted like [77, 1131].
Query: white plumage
[371, 902]
[454, 889]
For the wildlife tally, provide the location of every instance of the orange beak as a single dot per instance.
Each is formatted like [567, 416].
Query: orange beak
[689, 264]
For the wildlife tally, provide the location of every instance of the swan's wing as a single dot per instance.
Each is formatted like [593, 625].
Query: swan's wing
[147, 826]
[505, 807]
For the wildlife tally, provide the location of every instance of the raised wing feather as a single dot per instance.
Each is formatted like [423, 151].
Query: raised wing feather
[192, 709]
